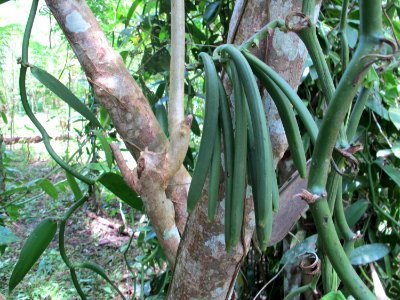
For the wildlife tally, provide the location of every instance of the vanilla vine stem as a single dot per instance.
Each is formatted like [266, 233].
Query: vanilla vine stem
[371, 39]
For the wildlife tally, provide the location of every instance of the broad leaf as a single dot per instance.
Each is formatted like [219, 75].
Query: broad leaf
[74, 186]
[48, 188]
[394, 115]
[391, 171]
[368, 253]
[293, 255]
[33, 248]
[211, 12]
[354, 212]
[54, 85]
[116, 184]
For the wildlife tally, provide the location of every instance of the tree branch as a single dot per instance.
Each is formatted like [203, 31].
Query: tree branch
[178, 126]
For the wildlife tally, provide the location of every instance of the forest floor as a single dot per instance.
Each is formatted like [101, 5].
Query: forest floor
[96, 233]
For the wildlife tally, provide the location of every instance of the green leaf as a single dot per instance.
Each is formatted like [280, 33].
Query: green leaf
[195, 127]
[14, 190]
[7, 236]
[368, 253]
[33, 248]
[54, 85]
[3, 1]
[74, 186]
[334, 296]
[131, 11]
[162, 117]
[391, 171]
[354, 212]
[48, 188]
[376, 105]
[294, 254]
[100, 271]
[116, 184]
[106, 148]
[352, 36]
[4, 117]
[211, 12]
[394, 115]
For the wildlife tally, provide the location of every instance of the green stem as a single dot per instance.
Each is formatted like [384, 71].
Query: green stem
[77, 286]
[308, 8]
[356, 113]
[344, 45]
[309, 37]
[305, 288]
[370, 41]
[344, 230]
[24, 99]
[61, 235]
[262, 33]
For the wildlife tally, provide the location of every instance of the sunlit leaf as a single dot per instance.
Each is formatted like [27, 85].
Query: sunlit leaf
[4, 117]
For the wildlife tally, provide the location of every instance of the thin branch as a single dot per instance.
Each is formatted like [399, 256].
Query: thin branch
[178, 125]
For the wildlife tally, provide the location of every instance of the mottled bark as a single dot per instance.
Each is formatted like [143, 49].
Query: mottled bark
[204, 270]
[133, 118]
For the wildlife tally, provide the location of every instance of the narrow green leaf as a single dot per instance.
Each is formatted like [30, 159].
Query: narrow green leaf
[4, 117]
[195, 127]
[131, 11]
[334, 296]
[394, 115]
[116, 184]
[48, 188]
[7, 236]
[368, 253]
[354, 212]
[54, 85]
[391, 171]
[211, 12]
[162, 117]
[33, 248]
[74, 186]
[295, 254]
[106, 148]
[3, 1]
[100, 271]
